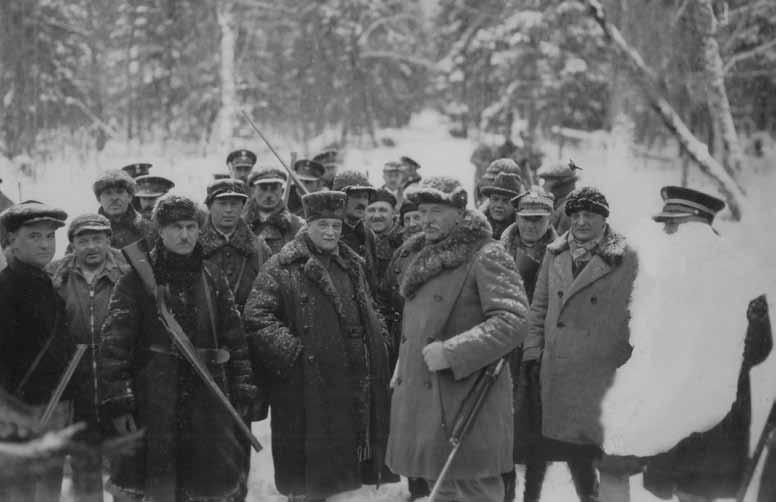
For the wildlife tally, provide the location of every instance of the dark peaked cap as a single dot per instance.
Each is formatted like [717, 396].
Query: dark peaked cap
[241, 158]
[328, 204]
[29, 212]
[681, 202]
[137, 169]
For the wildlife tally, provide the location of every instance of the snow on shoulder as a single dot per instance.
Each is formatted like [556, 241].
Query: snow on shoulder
[687, 329]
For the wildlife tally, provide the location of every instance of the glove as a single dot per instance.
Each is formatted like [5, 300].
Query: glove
[434, 355]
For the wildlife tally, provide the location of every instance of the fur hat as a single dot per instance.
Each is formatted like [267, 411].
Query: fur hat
[438, 189]
[534, 203]
[171, 208]
[114, 178]
[28, 212]
[587, 199]
[505, 165]
[383, 195]
[90, 222]
[326, 204]
[560, 173]
[506, 184]
[352, 181]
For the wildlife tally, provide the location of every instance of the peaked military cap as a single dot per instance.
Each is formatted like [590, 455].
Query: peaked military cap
[221, 176]
[114, 179]
[506, 184]
[409, 162]
[138, 169]
[90, 222]
[29, 212]
[241, 158]
[383, 195]
[308, 170]
[265, 175]
[229, 187]
[152, 186]
[438, 190]
[534, 203]
[327, 204]
[681, 202]
[392, 167]
[327, 157]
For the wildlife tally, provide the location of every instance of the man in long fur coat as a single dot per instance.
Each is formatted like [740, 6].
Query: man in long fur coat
[464, 309]
[312, 325]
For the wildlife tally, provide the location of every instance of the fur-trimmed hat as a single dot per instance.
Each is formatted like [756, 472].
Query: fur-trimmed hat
[560, 173]
[587, 199]
[115, 178]
[90, 222]
[504, 165]
[327, 157]
[171, 208]
[327, 204]
[352, 181]
[534, 203]
[383, 195]
[506, 184]
[439, 190]
[29, 212]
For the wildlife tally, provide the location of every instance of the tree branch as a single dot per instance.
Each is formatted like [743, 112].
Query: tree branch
[393, 56]
[742, 56]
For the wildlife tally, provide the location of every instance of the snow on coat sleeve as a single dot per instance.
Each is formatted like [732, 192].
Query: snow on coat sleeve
[504, 306]
[534, 341]
[117, 347]
[273, 343]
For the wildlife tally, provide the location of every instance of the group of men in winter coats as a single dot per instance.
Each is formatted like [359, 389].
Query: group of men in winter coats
[364, 326]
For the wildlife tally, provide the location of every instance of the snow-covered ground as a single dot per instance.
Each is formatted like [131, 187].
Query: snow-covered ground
[631, 187]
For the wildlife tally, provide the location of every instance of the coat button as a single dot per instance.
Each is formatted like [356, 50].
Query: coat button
[311, 358]
[403, 339]
[438, 298]
[398, 380]
[560, 294]
[593, 300]
[396, 270]
[427, 384]
[561, 324]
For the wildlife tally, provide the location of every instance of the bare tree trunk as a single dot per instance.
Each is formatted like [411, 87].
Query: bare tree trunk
[716, 94]
[645, 78]
[228, 113]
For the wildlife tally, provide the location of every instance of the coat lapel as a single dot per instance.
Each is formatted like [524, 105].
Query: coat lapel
[594, 270]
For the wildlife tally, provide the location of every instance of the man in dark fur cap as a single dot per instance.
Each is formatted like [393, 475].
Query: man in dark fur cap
[311, 322]
[464, 309]
[191, 450]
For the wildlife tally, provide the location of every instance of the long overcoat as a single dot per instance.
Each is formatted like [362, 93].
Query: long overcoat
[294, 319]
[578, 327]
[239, 258]
[190, 450]
[465, 292]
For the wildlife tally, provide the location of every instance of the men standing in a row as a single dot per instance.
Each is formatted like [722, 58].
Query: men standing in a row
[265, 212]
[34, 343]
[240, 163]
[190, 450]
[85, 279]
[114, 190]
[464, 310]
[311, 321]
[560, 181]
[578, 337]
[499, 210]
[149, 189]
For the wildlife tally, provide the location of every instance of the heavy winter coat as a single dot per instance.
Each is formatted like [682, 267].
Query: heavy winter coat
[386, 244]
[294, 318]
[465, 292]
[130, 227]
[560, 220]
[362, 240]
[578, 327]
[30, 313]
[526, 394]
[498, 226]
[86, 307]
[277, 230]
[190, 445]
[240, 258]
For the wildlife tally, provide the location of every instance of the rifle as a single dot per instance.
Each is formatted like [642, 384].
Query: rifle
[465, 420]
[768, 433]
[137, 258]
[289, 186]
[291, 173]
[62, 384]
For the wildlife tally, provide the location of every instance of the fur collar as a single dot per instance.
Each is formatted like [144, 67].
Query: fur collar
[431, 259]
[132, 218]
[212, 240]
[281, 218]
[611, 249]
[115, 267]
[511, 239]
[298, 251]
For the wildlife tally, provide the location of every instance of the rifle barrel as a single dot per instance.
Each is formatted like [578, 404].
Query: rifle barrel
[62, 384]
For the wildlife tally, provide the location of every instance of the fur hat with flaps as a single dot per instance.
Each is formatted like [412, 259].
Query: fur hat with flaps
[438, 190]
[326, 204]
[171, 208]
[352, 181]
[114, 178]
